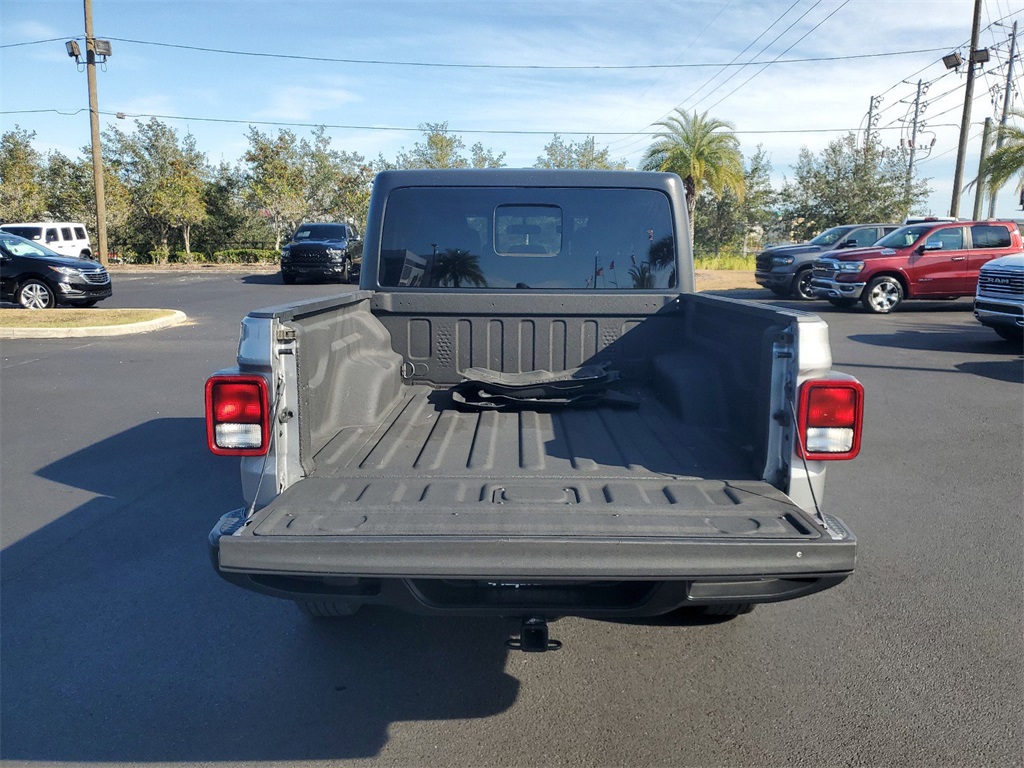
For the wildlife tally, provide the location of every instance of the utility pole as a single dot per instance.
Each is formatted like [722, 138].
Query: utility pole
[875, 101]
[965, 121]
[1000, 136]
[94, 122]
[979, 189]
[913, 144]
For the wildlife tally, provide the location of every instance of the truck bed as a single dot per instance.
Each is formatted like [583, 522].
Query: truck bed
[459, 487]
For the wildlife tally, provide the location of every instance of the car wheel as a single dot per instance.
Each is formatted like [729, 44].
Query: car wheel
[327, 608]
[35, 294]
[883, 295]
[287, 279]
[842, 303]
[1009, 333]
[802, 285]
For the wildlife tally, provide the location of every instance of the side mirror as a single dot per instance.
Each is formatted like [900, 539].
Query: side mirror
[851, 243]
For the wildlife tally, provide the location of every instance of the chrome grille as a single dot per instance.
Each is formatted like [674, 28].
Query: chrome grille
[999, 281]
[97, 277]
[825, 269]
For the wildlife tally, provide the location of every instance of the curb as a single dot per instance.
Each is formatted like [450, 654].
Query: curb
[174, 318]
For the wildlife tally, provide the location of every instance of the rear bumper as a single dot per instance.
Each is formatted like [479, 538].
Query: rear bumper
[580, 576]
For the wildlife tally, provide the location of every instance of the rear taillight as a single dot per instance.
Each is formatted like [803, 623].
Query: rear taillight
[830, 418]
[237, 415]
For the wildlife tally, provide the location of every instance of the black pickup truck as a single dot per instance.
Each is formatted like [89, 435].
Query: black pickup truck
[525, 410]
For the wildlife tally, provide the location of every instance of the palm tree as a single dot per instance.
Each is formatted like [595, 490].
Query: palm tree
[1008, 161]
[455, 266]
[703, 151]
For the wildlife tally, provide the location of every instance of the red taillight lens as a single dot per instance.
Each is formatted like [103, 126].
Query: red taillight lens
[830, 419]
[237, 415]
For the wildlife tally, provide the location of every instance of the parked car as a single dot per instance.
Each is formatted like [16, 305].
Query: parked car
[326, 251]
[920, 261]
[37, 278]
[66, 238]
[785, 270]
[999, 300]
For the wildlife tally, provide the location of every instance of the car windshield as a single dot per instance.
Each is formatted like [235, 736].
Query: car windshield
[320, 232]
[904, 237]
[605, 239]
[19, 246]
[831, 236]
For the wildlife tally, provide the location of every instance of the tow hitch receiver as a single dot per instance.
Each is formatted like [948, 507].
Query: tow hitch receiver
[533, 637]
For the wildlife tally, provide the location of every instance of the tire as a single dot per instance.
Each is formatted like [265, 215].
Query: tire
[1009, 333]
[35, 294]
[883, 295]
[842, 303]
[802, 285]
[287, 279]
[728, 610]
[327, 608]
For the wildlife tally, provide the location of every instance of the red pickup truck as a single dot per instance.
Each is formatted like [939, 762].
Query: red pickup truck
[921, 261]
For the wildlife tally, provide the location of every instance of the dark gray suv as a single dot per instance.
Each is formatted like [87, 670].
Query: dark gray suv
[785, 270]
[325, 251]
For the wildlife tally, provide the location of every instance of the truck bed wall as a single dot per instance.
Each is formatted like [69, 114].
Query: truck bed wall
[708, 359]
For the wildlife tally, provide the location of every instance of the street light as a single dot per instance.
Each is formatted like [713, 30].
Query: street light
[953, 60]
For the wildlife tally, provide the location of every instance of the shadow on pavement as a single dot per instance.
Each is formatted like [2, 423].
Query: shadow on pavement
[120, 643]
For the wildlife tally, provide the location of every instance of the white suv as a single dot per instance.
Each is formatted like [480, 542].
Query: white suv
[66, 238]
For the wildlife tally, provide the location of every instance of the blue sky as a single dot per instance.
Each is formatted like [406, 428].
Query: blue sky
[614, 94]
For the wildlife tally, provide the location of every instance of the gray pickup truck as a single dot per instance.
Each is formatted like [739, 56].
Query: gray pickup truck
[526, 410]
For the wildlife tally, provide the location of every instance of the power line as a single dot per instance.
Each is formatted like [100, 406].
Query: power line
[451, 65]
[844, 4]
[39, 42]
[491, 131]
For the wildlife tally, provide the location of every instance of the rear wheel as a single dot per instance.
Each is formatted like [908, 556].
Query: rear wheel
[883, 295]
[35, 294]
[802, 285]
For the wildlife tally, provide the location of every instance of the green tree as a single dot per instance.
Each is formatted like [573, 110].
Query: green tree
[848, 184]
[457, 266]
[164, 177]
[583, 154]
[725, 222]
[703, 151]
[68, 187]
[275, 180]
[21, 169]
[442, 149]
[1007, 162]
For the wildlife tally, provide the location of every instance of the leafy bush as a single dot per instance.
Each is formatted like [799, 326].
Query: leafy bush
[246, 256]
[725, 261]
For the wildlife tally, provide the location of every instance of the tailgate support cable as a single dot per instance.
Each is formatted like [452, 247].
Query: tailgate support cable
[266, 457]
[807, 473]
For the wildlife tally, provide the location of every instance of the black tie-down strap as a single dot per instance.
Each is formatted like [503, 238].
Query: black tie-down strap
[484, 389]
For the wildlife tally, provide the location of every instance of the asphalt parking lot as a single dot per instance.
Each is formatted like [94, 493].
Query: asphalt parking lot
[119, 645]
